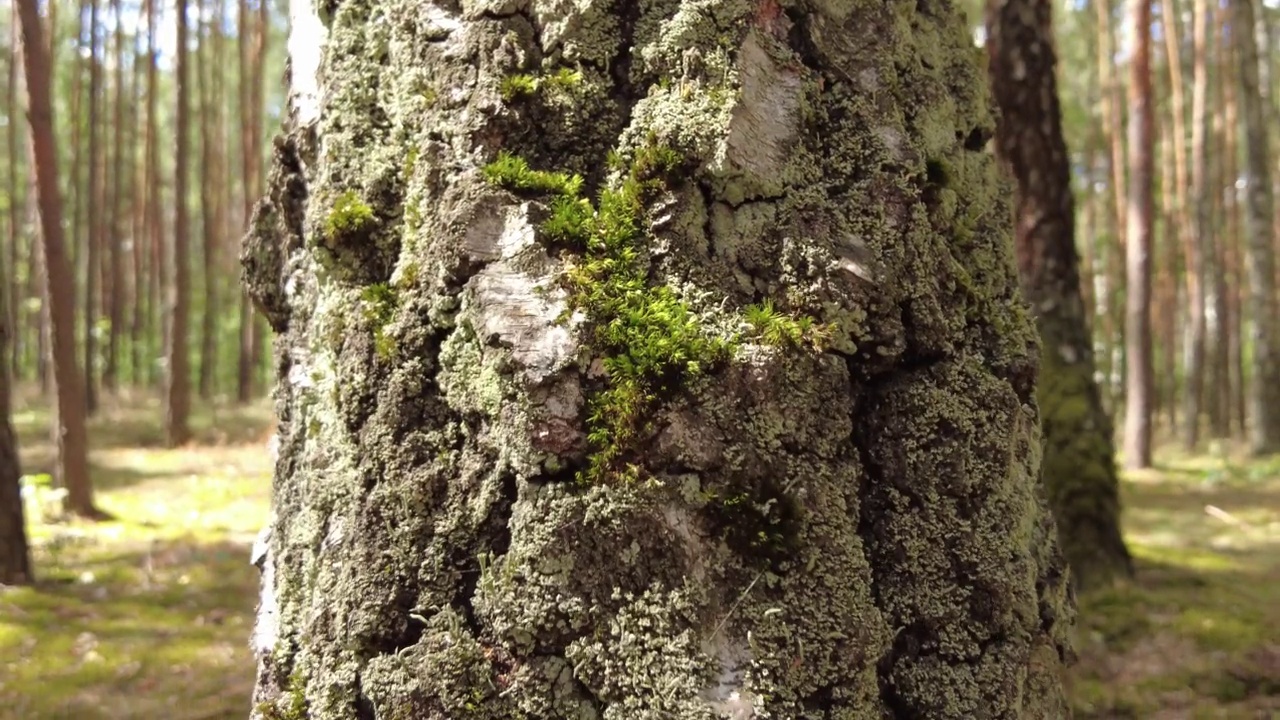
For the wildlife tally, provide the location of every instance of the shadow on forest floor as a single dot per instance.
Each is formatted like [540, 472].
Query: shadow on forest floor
[148, 616]
[1197, 633]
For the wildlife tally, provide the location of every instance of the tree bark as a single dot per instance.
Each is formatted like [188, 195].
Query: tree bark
[780, 346]
[16, 208]
[177, 374]
[72, 470]
[1198, 250]
[1079, 454]
[93, 235]
[209, 192]
[15, 557]
[1138, 380]
[1264, 435]
[120, 206]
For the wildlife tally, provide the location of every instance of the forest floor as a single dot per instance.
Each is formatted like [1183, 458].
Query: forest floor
[148, 616]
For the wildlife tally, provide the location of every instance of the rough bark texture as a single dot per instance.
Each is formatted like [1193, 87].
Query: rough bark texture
[1264, 335]
[759, 531]
[1079, 454]
[1140, 212]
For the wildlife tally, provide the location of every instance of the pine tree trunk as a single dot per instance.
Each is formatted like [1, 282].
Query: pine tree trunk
[120, 206]
[671, 440]
[1138, 379]
[1264, 433]
[1079, 452]
[93, 234]
[177, 374]
[1199, 250]
[15, 557]
[72, 468]
[209, 191]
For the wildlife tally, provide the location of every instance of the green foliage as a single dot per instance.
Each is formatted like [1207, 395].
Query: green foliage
[350, 215]
[779, 329]
[513, 173]
[523, 84]
[651, 339]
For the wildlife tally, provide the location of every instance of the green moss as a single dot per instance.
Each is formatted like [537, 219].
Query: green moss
[379, 303]
[514, 173]
[652, 341]
[775, 328]
[523, 84]
[350, 214]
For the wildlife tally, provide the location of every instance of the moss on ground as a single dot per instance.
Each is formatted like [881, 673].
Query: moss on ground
[146, 616]
[1195, 633]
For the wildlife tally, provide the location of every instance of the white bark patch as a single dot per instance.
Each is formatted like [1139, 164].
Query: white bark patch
[514, 311]
[764, 121]
[498, 231]
[307, 36]
[266, 627]
[729, 696]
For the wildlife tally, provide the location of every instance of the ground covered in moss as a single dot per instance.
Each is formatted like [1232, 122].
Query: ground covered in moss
[1197, 635]
[148, 616]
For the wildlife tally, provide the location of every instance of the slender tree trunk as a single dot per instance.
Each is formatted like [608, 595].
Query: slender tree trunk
[1233, 287]
[1181, 233]
[432, 555]
[177, 376]
[1166, 305]
[15, 557]
[16, 202]
[119, 211]
[1079, 452]
[1199, 250]
[140, 232]
[1264, 435]
[93, 236]
[209, 192]
[1138, 374]
[72, 440]
[157, 273]
[1219, 331]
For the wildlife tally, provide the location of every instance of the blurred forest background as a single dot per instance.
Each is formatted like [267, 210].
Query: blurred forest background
[144, 593]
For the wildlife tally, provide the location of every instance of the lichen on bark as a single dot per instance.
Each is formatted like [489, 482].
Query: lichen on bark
[772, 548]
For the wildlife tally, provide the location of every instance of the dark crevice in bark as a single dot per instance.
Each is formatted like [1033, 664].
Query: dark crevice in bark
[708, 203]
[628, 12]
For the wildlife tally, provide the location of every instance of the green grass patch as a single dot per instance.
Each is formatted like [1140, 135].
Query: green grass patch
[1195, 634]
[148, 615]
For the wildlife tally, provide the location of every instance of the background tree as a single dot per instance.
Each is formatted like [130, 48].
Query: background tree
[1079, 452]
[177, 376]
[70, 436]
[15, 557]
[1139, 210]
[1259, 215]
[435, 409]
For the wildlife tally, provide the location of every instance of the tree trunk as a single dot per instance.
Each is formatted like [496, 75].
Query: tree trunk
[177, 375]
[157, 273]
[1079, 453]
[93, 235]
[1198, 250]
[1138, 380]
[15, 557]
[122, 202]
[1264, 435]
[801, 224]
[72, 468]
[16, 207]
[1180, 232]
[209, 191]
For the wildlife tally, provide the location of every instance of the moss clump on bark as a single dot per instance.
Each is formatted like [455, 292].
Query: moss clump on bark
[650, 339]
[350, 215]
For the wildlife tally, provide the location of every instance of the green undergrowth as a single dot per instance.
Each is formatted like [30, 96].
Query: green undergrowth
[146, 615]
[651, 340]
[1197, 632]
